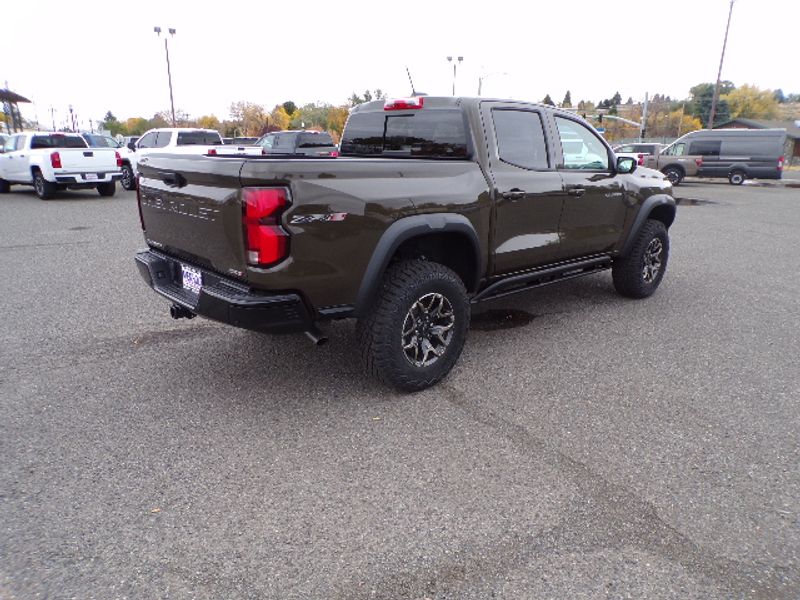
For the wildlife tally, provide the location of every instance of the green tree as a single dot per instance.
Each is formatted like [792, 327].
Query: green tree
[567, 101]
[548, 100]
[290, 107]
[749, 102]
[701, 97]
[110, 123]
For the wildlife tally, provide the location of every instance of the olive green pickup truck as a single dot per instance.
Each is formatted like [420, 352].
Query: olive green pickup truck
[435, 204]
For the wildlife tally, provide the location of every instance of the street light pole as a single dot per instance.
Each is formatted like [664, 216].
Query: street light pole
[450, 59]
[719, 72]
[169, 72]
[482, 77]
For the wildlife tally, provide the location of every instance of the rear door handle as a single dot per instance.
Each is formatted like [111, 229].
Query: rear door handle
[514, 194]
[576, 191]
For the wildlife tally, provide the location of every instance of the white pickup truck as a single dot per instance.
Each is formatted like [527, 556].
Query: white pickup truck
[57, 161]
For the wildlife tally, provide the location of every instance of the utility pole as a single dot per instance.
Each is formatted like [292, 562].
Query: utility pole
[643, 128]
[53, 116]
[169, 72]
[719, 72]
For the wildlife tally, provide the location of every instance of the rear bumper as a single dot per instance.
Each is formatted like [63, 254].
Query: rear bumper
[80, 179]
[223, 299]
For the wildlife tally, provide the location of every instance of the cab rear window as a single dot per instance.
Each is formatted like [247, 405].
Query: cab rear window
[427, 133]
[57, 141]
[314, 140]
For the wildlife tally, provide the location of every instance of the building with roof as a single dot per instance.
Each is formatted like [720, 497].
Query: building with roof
[792, 149]
[13, 118]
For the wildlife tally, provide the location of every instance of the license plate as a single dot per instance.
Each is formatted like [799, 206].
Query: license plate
[192, 279]
[91, 176]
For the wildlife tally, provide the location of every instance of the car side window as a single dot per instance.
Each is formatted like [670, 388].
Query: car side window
[148, 141]
[269, 141]
[520, 138]
[705, 148]
[11, 144]
[678, 150]
[625, 149]
[582, 149]
[162, 139]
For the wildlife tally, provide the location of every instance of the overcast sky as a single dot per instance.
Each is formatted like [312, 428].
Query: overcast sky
[103, 55]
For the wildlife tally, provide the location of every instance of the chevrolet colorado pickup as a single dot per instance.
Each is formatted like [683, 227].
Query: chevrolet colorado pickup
[435, 204]
[57, 161]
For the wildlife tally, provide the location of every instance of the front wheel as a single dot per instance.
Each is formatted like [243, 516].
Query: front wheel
[736, 177]
[128, 179]
[638, 274]
[417, 326]
[5, 187]
[107, 189]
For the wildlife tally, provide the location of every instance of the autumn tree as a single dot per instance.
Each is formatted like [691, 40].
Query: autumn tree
[749, 102]
[280, 117]
[337, 117]
[251, 118]
[136, 125]
[209, 122]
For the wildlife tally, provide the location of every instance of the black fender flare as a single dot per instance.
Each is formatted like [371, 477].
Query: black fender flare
[404, 229]
[651, 203]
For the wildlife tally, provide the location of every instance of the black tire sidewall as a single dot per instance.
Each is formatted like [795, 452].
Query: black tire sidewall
[628, 272]
[739, 174]
[678, 173]
[131, 180]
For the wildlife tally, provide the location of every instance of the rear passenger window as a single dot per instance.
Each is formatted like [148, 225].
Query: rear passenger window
[705, 148]
[520, 138]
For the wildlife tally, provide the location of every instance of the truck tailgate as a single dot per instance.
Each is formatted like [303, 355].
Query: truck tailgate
[88, 159]
[191, 209]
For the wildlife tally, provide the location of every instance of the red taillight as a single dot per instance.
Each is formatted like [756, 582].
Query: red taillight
[266, 241]
[404, 103]
[139, 201]
[119, 159]
[641, 160]
[55, 160]
[780, 163]
[334, 153]
[212, 151]
[698, 162]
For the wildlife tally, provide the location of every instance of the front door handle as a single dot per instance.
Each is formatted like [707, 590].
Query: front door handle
[514, 194]
[576, 191]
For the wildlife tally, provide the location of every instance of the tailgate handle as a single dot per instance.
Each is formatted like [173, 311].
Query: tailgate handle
[174, 179]
[88, 153]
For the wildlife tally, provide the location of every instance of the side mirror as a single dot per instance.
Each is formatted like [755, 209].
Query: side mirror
[626, 164]
[131, 146]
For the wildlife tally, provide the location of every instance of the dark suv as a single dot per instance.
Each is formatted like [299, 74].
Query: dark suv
[299, 143]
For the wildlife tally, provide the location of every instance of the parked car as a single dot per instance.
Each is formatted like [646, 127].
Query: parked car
[299, 142]
[736, 154]
[58, 161]
[672, 161]
[96, 140]
[189, 140]
[638, 151]
[459, 200]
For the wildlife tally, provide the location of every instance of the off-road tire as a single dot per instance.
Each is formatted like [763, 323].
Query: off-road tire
[44, 189]
[128, 180]
[674, 174]
[737, 177]
[380, 331]
[107, 189]
[5, 187]
[634, 274]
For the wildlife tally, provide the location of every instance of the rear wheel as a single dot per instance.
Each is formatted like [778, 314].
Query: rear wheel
[639, 274]
[128, 180]
[674, 174]
[736, 177]
[417, 326]
[44, 189]
[107, 189]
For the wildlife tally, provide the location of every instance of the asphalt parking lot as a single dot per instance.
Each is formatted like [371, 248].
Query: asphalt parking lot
[586, 446]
